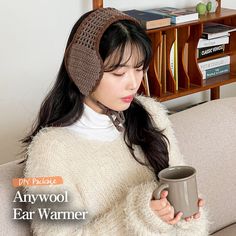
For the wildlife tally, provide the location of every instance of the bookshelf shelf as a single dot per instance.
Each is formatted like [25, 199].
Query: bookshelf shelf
[207, 84]
[190, 79]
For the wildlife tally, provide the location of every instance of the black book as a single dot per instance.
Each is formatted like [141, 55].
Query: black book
[209, 51]
[214, 30]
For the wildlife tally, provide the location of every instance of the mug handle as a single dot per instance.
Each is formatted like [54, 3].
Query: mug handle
[157, 192]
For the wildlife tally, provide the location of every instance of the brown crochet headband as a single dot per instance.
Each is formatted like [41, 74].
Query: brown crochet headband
[82, 59]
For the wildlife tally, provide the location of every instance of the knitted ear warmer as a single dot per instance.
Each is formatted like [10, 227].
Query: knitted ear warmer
[82, 59]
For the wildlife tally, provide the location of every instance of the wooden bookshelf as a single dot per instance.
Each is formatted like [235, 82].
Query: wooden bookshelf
[189, 77]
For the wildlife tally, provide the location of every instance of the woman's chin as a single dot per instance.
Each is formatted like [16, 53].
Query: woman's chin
[122, 107]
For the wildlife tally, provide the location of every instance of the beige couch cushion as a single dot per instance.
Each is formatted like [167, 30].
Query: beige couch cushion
[8, 226]
[228, 231]
[207, 139]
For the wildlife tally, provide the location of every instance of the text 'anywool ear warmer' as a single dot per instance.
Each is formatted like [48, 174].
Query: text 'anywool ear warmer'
[82, 59]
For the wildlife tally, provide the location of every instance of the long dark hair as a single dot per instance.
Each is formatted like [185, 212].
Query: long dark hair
[64, 103]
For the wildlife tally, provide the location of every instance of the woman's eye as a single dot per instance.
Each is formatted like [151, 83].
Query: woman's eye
[118, 74]
[141, 69]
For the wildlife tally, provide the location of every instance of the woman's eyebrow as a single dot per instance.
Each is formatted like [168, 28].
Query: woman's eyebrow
[137, 65]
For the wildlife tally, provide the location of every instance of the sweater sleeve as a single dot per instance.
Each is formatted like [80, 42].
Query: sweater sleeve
[131, 215]
[198, 227]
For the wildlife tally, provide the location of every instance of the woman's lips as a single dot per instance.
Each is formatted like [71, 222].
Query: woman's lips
[128, 99]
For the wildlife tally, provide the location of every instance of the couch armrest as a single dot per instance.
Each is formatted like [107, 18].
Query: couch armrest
[207, 139]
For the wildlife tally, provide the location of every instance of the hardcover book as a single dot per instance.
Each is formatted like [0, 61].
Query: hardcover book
[214, 63]
[149, 20]
[177, 15]
[214, 30]
[216, 71]
[202, 43]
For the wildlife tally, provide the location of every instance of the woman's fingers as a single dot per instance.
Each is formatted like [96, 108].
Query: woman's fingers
[158, 205]
[188, 218]
[164, 194]
[197, 215]
[201, 202]
[166, 210]
[176, 219]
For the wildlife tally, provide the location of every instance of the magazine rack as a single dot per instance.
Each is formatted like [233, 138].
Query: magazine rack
[190, 79]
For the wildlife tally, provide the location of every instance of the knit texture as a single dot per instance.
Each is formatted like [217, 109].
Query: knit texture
[82, 58]
[104, 179]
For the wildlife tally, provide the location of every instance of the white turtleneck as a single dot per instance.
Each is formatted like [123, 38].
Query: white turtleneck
[95, 126]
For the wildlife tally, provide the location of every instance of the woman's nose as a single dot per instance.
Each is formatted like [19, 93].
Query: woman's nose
[132, 80]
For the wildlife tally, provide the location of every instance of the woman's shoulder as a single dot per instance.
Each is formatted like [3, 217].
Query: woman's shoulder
[48, 135]
[46, 140]
[46, 154]
[156, 109]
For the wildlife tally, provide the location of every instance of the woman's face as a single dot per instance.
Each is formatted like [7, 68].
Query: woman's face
[118, 87]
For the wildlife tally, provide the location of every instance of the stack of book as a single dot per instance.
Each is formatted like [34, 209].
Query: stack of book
[214, 38]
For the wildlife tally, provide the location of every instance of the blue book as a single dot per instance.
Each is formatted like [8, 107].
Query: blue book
[177, 15]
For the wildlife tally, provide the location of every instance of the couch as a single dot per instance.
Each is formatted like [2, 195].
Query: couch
[207, 139]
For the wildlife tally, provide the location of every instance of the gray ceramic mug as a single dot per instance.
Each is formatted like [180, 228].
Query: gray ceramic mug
[181, 184]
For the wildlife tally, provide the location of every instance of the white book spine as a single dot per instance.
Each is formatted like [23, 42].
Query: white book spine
[214, 63]
[202, 43]
[172, 61]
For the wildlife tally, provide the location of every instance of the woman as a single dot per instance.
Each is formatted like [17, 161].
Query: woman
[106, 143]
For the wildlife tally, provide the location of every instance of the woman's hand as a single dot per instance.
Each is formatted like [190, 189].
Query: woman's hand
[201, 203]
[164, 210]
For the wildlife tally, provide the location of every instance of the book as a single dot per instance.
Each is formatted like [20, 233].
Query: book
[202, 43]
[214, 63]
[159, 61]
[149, 20]
[163, 64]
[176, 72]
[174, 60]
[185, 57]
[177, 15]
[216, 71]
[215, 30]
[209, 51]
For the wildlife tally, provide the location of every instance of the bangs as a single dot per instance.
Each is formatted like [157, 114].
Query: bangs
[119, 57]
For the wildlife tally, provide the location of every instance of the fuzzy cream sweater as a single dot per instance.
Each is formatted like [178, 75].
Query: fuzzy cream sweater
[105, 180]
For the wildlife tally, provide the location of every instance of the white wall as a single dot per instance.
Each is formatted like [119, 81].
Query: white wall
[33, 37]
